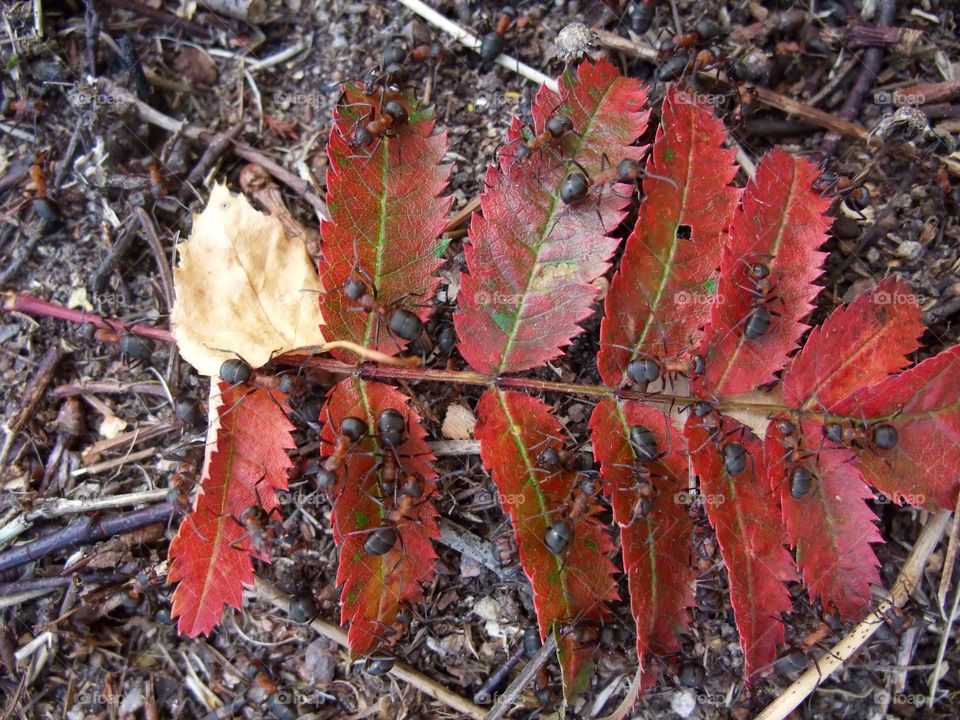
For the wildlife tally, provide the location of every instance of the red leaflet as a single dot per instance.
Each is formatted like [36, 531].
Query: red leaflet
[571, 578]
[246, 464]
[923, 405]
[661, 295]
[655, 537]
[828, 522]
[386, 215]
[531, 256]
[857, 346]
[778, 229]
[383, 531]
[750, 531]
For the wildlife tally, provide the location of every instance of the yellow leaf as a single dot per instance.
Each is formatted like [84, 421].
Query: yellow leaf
[243, 288]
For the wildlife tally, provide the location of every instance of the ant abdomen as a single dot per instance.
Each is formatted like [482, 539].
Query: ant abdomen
[405, 325]
[235, 371]
[801, 482]
[574, 188]
[380, 541]
[558, 536]
[734, 458]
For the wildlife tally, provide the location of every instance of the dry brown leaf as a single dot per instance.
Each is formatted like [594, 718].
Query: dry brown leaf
[243, 288]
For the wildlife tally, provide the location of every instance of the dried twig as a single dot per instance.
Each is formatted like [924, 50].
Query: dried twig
[505, 701]
[267, 591]
[835, 657]
[35, 390]
[84, 530]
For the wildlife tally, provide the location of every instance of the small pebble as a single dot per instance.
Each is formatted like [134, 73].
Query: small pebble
[684, 703]
[910, 250]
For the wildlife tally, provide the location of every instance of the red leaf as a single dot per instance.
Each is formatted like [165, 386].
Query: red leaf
[923, 404]
[246, 464]
[780, 225]
[656, 546]
[831, 527]
[858, 345]
[375, 587]
[531, 257]
[746, 517]
[386, 216]
[661, 295]
[569, 589]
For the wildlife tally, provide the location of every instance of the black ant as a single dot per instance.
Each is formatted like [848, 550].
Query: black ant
[649, 368]
[384, 538]
[802, 479]
[391, 118]
[556, 127]
[878, 436]
[640, 15]
[257, 523]
[760, 318]
[238, 371]
[352, 430]
[577, 185]
[491, 44]
[560, 533]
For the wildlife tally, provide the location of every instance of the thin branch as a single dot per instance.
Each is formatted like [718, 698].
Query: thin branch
[268, 592]
[846, 648]
[471, 41]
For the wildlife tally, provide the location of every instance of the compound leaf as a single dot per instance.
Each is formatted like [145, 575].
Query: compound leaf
[246, 463]
[830, 526]
[923, 405]
[660, 297]
[532, 258]
[780, 226]
[655, 538]
[746, 517]
[856, 346]
[386, 215]
[569, 587]
[376, 587]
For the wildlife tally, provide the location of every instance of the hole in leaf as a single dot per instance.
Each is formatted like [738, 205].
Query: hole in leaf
[684, 232]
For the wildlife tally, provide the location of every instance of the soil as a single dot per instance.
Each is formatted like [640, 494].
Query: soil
[111, 650]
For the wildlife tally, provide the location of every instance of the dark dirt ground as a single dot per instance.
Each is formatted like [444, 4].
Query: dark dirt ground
[112, 652]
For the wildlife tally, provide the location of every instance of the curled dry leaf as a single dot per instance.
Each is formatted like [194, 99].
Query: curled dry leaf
[243, 288]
